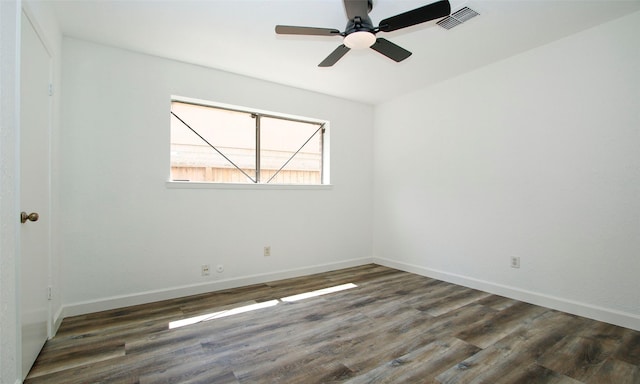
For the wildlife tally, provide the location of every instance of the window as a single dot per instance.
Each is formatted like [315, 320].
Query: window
[225, 144]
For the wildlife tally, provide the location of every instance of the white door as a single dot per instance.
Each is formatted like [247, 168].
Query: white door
[35, 116]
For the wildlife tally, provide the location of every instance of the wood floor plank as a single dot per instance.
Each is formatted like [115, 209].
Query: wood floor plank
[582, 354]
[119, 370]
[534, 374]
[392, 327]
[616, 371]
[421, 365]
[510, 355]
[629, 350]
[454, 301]
[196, 369]
[503, 323]
[78, 356]
[381, 342]
[264, 356]
[497, 302]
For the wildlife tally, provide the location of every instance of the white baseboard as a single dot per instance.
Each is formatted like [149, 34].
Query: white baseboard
[57, 320]
[606, 315]
[104, 304]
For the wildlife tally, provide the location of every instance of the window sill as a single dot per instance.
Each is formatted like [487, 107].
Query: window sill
[201, 185]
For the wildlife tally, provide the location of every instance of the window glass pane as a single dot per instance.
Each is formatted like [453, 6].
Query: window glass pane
[279, 141]
[231, 133]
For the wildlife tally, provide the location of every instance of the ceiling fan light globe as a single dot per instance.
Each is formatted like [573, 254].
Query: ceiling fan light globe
[359, 40]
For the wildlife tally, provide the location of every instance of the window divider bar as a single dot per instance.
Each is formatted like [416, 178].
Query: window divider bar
[322, 154]
[213, 147]
[258, 169]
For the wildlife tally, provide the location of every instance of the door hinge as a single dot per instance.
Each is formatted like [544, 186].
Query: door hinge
[49, 293]
[50, 89]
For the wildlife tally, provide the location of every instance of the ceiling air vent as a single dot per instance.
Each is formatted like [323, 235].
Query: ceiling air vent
[457, 18]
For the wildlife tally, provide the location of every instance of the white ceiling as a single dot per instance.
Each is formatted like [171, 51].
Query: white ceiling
[238, 36]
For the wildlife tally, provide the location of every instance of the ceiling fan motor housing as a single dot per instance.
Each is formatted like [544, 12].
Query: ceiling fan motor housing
[359, 33]
[359, 24]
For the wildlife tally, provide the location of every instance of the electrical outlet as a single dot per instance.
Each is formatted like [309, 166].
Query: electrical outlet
[267, 251]
[220, 268]
[205, 270]
[515, 262]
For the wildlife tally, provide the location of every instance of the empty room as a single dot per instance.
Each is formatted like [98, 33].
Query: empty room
[320, 191]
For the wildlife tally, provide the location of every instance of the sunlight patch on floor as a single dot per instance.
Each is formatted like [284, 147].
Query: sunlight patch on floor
[254, 307]
[221, 314]
[319, 292]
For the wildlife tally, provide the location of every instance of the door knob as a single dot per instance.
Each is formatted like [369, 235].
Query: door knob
[31, 217]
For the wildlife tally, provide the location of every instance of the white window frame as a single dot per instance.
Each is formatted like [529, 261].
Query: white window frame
[220, 185]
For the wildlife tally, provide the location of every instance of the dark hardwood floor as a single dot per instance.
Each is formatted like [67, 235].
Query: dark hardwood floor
[394, 327]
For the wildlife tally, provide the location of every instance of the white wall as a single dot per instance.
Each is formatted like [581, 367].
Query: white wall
[536, 156]
[128, 238]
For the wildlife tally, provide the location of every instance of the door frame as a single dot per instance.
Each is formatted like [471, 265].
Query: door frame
[10, 352]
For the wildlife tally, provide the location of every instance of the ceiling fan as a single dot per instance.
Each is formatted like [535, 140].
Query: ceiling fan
[360, 32]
